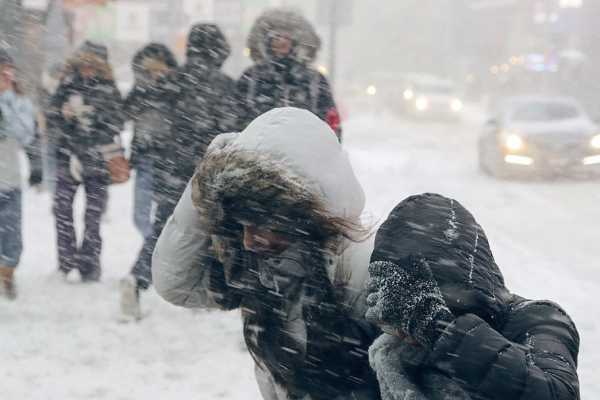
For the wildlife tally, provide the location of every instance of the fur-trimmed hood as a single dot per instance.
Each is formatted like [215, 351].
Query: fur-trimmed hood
[286, 157]
[279, 20]
[287, 170]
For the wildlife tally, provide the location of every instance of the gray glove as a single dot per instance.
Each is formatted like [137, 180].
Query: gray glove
[406, 297]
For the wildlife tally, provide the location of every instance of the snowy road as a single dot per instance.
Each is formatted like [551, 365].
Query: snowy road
[62, 341]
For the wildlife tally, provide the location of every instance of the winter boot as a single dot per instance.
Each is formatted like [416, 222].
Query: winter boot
[130, 298]
[7, 283]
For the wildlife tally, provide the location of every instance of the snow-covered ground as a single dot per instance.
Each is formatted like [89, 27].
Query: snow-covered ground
[63, 341]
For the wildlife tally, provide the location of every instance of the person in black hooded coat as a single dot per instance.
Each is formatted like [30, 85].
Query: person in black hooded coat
[202, 104]
[282, 76]
[149, 106]
[435, 288]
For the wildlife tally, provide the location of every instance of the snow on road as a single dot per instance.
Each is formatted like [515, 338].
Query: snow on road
[62, 340]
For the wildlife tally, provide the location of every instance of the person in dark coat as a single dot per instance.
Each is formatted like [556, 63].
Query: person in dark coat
[149, 105]
[201, 109]
[86, 111]
[282, 75]
[454, 331]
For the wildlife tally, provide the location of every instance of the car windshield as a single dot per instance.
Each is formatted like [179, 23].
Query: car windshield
[545, 111]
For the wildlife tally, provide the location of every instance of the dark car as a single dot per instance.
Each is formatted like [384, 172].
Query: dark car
[539, 136]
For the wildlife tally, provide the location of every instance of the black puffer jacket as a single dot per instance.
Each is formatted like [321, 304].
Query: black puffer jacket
[204, 99]
[105, 120]
[284, 82]
[500, 346]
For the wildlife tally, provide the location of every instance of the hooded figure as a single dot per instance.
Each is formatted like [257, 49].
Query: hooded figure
[199, 109]
[204, 99]
[266, 226]
[86, 113]
[457, 331]
[282, 44]
[150, 105]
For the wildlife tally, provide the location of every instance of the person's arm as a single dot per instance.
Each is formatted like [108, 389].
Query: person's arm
[110, 115]
[18, 119]
[56, 122]
[326, 108]
[227, 112]
[243, 103]
[184, 271]
[540, 364]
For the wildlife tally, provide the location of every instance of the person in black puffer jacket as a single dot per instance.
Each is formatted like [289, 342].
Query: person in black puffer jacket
[283, 44]
[201, 109]
[86, 111]
[454, 331]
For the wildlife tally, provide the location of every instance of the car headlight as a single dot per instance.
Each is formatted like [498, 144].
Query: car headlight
[422, 104]
[595, 142]
[408, 94]
[514, 142]
[456, 105]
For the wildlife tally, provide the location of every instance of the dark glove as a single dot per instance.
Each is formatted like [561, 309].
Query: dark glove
[35, 177]
[406, 297]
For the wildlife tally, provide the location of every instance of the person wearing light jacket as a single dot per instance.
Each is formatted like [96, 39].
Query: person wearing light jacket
[454, 331]
[270, 225]
[17, 124]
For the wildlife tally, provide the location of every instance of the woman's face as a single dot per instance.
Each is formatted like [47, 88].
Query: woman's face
[281, 45]
[264, 241]
[156, 69]
[87, 71]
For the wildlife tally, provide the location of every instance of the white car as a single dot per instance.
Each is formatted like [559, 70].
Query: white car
[429, 97]
[539, 135]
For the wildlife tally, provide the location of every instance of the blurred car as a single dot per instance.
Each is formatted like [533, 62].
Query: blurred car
[429, 97]
[539, 135]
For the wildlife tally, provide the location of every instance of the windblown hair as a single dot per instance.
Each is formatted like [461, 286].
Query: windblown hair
[84, 58]
[232, 186]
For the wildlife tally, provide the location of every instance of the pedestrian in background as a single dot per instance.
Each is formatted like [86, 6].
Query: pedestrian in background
[86, 110]
[17, 125]
[149, 105]
[283, 44]
[203, 105]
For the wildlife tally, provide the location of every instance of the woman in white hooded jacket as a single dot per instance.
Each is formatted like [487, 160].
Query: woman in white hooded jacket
[269, 224]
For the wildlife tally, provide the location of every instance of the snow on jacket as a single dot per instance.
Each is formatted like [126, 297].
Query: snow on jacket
[284, 81]
[500, 346]
[204, 99]
[100, 125]
[17, 129]
[312, 343]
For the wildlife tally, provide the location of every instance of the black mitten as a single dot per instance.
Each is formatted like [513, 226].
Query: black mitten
[407, 297]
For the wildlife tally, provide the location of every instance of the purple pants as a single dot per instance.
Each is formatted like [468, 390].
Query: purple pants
[85, 258]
